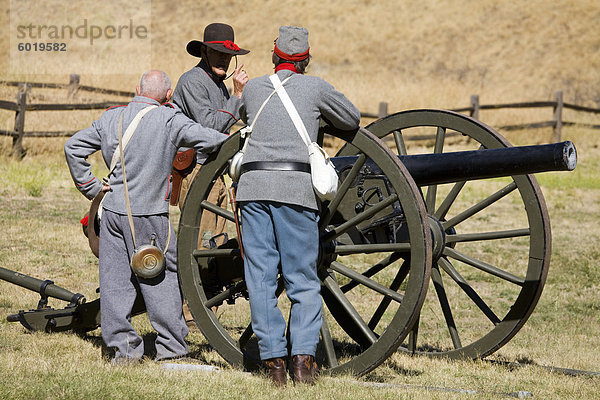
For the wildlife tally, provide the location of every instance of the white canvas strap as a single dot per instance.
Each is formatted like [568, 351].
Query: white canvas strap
[128, 134]
[122, 157]
[289, 106]
[125, 139]
[246, 131]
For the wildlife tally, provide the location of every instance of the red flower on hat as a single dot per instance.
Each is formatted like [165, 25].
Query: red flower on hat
[227, 44]
[230, 45]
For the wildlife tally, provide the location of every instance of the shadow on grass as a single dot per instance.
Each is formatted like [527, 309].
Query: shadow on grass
[198, 352]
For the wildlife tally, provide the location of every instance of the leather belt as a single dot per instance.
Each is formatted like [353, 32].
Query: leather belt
[275, 166]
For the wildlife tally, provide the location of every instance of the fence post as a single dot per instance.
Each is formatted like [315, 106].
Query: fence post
[383, 110]
[475, 106]
[73, 87]
[17, 148]
[558, 107]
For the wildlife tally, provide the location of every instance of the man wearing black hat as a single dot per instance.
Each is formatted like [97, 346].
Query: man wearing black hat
[202, 95]
[200, 92]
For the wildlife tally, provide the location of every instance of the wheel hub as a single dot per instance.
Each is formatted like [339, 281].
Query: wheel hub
[438, 237]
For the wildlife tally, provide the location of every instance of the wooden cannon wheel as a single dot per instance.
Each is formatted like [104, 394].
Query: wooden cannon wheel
[491, 245]
[372, 286]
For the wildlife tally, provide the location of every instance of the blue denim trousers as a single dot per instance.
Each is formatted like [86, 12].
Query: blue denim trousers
[274, 235]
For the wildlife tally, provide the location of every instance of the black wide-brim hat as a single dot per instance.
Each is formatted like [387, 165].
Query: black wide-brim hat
[218, 37]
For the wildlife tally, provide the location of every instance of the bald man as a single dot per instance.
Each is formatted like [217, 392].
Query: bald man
[148, 158]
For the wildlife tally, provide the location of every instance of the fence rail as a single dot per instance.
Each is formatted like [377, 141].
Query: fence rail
[73, 87]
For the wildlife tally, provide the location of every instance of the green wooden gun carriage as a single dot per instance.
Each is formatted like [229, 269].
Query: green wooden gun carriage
[439, 252]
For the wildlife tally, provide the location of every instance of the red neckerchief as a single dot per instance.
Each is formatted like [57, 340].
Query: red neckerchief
[288, 66]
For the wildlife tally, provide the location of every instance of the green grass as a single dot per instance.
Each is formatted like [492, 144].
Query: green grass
[41, 237]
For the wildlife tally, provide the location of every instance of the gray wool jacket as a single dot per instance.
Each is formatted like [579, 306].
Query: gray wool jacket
[275, 138]
[148, 156]
[206, 100]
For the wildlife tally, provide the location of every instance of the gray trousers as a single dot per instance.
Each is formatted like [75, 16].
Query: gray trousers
[119, 288]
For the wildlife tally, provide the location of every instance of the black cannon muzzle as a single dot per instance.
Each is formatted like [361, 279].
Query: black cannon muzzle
[433, 169]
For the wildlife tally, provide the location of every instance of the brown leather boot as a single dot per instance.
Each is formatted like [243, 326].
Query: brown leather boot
[276, 371]
[305, 369]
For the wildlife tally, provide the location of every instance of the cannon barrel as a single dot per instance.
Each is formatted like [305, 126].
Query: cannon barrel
[433, 169]
[44, 288]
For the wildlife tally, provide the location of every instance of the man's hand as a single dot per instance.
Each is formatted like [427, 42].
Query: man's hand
[105, 188]
[240, 78]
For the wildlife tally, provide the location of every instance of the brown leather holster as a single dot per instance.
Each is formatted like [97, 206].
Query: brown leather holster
[183, 164]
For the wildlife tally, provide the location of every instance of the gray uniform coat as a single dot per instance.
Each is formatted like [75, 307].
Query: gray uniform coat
[148, 156]
[275, 138]
[148, 159]
[206, 100]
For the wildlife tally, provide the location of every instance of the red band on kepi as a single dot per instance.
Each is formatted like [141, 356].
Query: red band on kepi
[291, 57]
[226, 43]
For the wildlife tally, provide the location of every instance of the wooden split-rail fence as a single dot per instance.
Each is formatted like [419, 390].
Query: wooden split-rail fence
[21, 106]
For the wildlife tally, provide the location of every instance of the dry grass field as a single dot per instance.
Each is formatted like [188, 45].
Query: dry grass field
[411, 54]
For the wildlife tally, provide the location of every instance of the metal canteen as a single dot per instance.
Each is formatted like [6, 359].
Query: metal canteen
[235, 166]
[148, 261]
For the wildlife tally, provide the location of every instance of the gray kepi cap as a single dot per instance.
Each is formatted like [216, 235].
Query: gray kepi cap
[292, 43]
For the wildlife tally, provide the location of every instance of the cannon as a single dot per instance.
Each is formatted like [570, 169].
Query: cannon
[78, 316]
[472, 224]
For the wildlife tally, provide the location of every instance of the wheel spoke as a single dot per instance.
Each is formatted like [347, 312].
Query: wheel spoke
[436, 278]
[441, 212]
[222, 212]
[385, 302]
[414, 335]
[246, 335]
[373, 270]
[342, 190]
[471, 237]
[327, 341]
[439, 146]
[485, 267]
[225, 294]
[400, 145]
[430, 197]
[440, 136]
[346, 249]
[351, 312]
[468, 289]
[352, 222]
[371, 284]
[479, 206]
